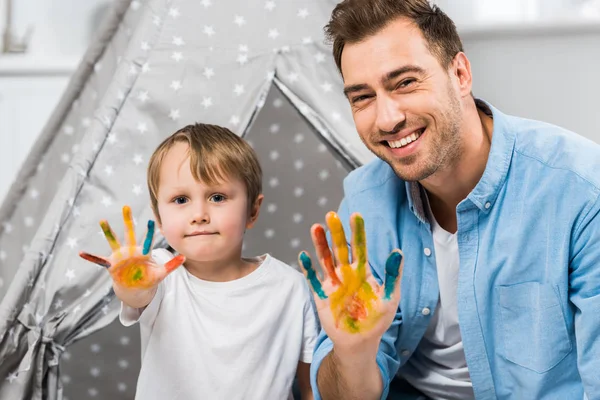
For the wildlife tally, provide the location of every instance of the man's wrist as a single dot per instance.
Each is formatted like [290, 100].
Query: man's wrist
[354, 357]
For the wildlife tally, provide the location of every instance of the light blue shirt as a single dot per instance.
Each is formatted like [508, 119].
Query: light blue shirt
[529, 281]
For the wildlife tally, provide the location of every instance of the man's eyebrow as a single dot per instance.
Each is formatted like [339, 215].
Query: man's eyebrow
[386, 79]
[355, 88]
[401, 71]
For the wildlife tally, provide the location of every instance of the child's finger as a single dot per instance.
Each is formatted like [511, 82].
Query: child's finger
[149, 238]
[175, 262]
[311, 275]
[129, 229]
[393, 273]
[110, 235]
[95, 259]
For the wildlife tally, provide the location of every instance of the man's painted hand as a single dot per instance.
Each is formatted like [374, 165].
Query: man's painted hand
[348, 298]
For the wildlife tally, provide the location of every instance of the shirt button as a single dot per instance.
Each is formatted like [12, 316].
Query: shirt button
[426, 311]
[405, 353]
[427, 251]
[488, 204]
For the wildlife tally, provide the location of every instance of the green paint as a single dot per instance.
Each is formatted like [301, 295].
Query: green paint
[138, 275]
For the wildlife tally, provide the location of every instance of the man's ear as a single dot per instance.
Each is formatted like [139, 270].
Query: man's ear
[462, 70]
[254, 211]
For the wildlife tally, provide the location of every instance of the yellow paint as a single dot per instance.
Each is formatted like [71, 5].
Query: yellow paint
[353, 302]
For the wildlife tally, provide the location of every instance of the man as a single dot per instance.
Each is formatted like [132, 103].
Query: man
[497, 218]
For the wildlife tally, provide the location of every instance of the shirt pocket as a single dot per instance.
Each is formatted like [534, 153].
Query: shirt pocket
[534, 331]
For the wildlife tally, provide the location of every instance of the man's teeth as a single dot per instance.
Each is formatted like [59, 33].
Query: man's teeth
[404, 141]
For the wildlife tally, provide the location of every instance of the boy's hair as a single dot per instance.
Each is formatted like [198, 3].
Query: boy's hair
[354, 20]
[216, 154]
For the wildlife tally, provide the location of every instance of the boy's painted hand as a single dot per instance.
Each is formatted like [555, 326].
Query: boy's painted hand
[348, 299]
[131, 266]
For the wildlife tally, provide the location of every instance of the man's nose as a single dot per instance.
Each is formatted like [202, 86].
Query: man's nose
[390, 114]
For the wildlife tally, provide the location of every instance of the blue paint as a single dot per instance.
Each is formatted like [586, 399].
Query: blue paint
[149, 237]
[312, 275]
[391, 273]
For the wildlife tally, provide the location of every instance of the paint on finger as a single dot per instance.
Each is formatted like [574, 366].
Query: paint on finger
[129, 230]
[338, 237]
[149, 238]
[110, 236]
[360, 247]
[323, 250]
[391, 273]
[95, 259]
[312, 275]
[175, 262]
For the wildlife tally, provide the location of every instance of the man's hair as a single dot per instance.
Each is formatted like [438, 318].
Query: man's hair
[354, 20]
[216, 154]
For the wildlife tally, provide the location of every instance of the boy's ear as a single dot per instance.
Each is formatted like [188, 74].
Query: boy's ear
[254, 211]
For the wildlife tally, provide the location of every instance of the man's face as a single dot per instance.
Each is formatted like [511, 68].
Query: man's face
[405, 105]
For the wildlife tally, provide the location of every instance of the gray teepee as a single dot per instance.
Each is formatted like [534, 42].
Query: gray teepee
[258, 67]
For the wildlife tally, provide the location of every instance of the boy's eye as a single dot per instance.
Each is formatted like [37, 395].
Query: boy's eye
[217, 198]
[180, 200]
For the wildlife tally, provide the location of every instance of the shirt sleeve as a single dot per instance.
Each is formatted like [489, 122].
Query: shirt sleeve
[584, 293]
[311, 328]
[129, 315]
[387, 356]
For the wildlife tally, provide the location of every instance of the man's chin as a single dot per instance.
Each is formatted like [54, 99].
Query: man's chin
[411, 173]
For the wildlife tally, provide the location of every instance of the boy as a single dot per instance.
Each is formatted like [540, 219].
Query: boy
[223, 326]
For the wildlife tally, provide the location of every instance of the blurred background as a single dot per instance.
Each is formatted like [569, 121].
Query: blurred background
[536, 58]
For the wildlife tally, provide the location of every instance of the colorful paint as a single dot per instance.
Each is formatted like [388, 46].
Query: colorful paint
[312, 276]
[353, 301]
[392, 266]
[95, 259]
[132, 266]
[324, 254]
[149, 238]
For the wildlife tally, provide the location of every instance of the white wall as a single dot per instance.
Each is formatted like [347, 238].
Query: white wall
[61, 27]
[541, 75]
[32, 83]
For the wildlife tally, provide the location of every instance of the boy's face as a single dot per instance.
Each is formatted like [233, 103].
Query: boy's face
[203, 223]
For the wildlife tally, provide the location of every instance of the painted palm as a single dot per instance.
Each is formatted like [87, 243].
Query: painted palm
[357, 302]
[131, 265]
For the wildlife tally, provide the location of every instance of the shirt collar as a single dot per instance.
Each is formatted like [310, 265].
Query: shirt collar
[486, 191]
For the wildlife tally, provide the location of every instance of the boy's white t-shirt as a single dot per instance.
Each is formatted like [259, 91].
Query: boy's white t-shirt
[241, 339]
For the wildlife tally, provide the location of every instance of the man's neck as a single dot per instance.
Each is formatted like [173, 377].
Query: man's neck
[447, 188]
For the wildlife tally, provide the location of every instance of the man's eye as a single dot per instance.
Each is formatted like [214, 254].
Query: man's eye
[406, 83]
[180, 200]
[217, 198]
[358, 99]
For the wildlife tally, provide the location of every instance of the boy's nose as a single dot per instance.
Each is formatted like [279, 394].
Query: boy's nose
[200, 216]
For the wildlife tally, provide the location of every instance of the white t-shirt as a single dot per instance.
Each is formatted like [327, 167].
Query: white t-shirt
[241, 339]
[438, 367]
